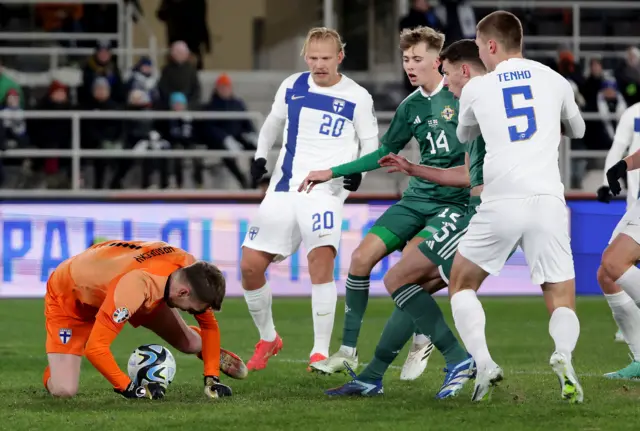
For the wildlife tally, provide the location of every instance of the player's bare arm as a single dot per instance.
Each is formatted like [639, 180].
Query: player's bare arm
[453, 177]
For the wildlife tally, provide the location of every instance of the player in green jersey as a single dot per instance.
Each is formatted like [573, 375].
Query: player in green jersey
[429, 264]
[430, 116]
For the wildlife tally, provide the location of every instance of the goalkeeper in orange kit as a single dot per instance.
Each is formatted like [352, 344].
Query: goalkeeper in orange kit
[91, 296]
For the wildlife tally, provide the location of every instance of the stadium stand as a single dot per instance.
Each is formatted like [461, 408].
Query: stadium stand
[38, 53]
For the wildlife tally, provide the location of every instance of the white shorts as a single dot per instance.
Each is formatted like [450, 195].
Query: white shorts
[629, 224]
[286, 219]
[539, 224]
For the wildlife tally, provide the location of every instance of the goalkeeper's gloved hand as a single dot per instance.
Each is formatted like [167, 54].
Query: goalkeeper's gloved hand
[258, 168]
[214, 389]
[153, 391]
[352, 182]
[617, 171]
[604, 194]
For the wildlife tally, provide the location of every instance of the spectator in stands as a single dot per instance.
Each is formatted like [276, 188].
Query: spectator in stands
[458, 20]
[15, 135]
[52, 134]
[180, 134]
[149, 164]
[60, 17]
[101, 65]
[99, 133]
[610, 101]
[567, 66]
[234, 135]
[628, 76]
[135, 130]
[186, 20]
[179, 75]
[6, 84]
[592, 85]
[420, 14]
[143, 78]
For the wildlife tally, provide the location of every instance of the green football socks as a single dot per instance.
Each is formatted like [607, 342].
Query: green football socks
[427, 316]
[396, 333]
[356, 300]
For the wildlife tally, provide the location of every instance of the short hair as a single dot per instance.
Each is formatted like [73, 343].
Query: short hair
[206, 282]
[410, 37]
[504, 27]
[463, 51]
[323, 33]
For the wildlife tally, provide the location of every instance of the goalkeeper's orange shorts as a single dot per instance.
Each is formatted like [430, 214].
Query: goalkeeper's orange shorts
[65, 334]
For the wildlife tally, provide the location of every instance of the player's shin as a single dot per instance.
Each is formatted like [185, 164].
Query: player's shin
[470, 321]
[397, 331]
[427, 316]
[323, 306]
[356, 300]
[259, 304]
[627, 316]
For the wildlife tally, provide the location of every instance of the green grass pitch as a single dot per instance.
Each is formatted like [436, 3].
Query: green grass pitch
[286, 396]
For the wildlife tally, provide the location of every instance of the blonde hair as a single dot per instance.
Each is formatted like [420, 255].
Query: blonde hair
[412, 37]
[323, 33]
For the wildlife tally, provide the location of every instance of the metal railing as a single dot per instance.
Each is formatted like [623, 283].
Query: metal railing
[76, 152]
[576, 39]
[124, 36]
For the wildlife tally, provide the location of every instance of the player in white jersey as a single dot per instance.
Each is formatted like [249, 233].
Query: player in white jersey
[327, 118]
[625, 142]
[519, 108]
[618, 276]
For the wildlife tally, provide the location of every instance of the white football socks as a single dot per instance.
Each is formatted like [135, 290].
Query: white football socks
[627, 316]
[564, 328]
[630, 283]
[470, 320]
[259, 304]
[323, 307]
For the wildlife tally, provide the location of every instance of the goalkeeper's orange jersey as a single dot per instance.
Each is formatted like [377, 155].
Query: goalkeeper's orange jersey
[118, 281]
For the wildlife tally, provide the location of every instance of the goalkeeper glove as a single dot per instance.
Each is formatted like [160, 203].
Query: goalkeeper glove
[258, 168]
[604, 194]
[214, 389]
[352, 182]
[617, 171]
[153, 391]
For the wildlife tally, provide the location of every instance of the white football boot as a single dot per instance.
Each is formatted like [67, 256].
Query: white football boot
[336, 362]
[416, 361]
[485, 381]
[569, 384]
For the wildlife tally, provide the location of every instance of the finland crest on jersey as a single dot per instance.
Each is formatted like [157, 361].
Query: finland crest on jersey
[65, 335]
[319, 132]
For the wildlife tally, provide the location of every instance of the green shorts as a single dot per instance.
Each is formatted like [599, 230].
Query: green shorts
[407, 219]
[441, 247]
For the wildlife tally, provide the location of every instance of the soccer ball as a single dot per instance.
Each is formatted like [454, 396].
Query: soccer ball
[151, 363]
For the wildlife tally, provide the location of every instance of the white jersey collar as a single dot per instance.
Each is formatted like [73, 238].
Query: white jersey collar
[434, 92]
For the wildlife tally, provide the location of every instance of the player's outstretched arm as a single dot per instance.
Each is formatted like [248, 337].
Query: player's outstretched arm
[366, 163]
[272, 126]
[211, 356]
[121, 302]
[457, 176]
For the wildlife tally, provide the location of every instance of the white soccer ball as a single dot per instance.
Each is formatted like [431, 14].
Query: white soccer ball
[151, 363]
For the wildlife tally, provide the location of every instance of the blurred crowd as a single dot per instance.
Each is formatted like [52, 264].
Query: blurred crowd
[603, 89]
[175, 87]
